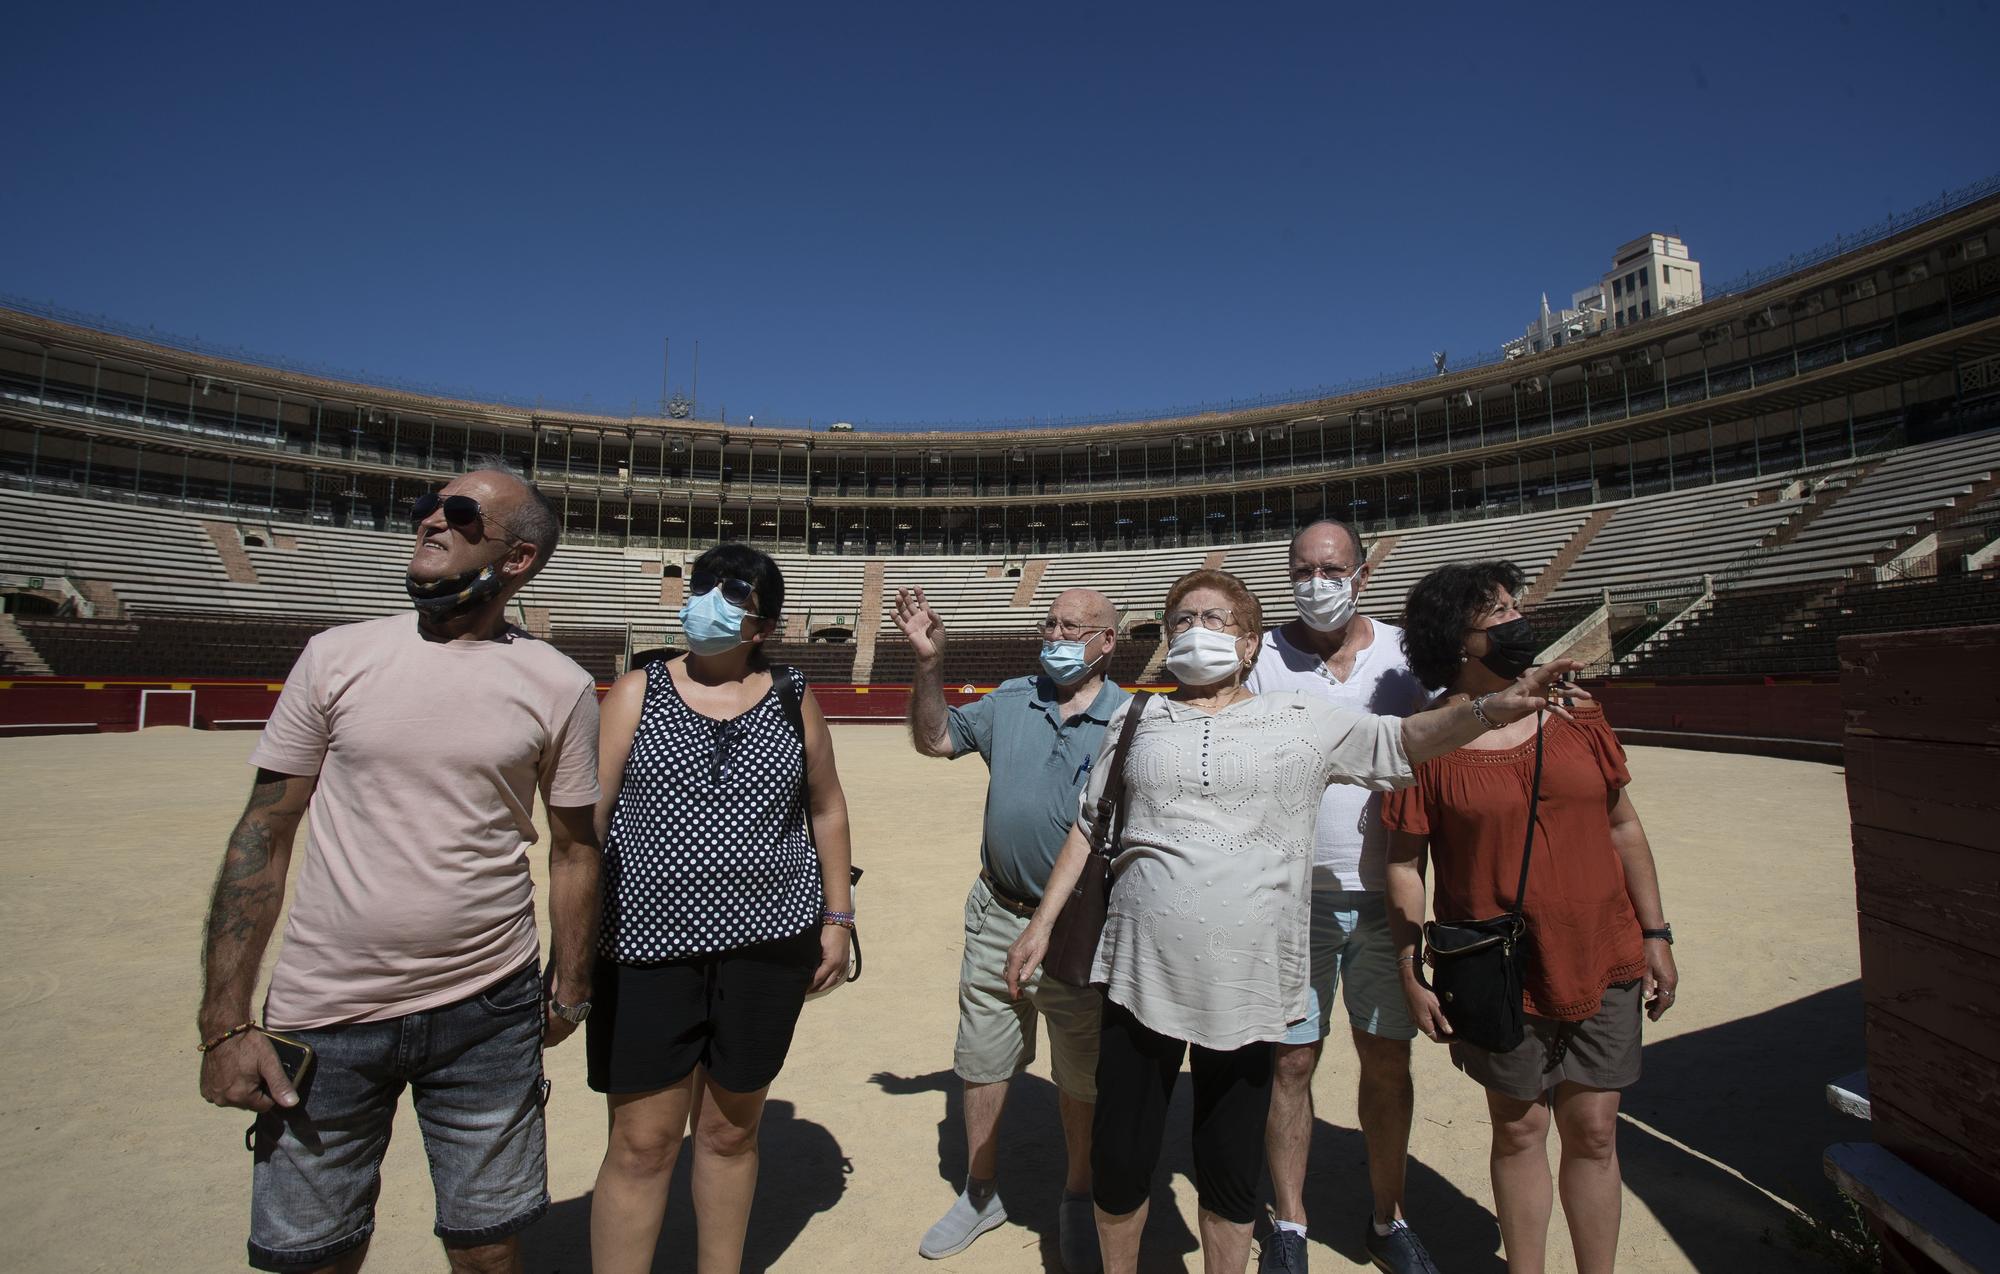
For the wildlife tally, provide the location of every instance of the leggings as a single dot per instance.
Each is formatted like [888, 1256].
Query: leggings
[1136, 1068]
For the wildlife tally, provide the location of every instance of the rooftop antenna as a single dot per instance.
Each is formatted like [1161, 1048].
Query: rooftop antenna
[695, 393]
[666, 362]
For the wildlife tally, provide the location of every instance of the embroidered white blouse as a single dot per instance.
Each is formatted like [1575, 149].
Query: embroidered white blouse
[1207, 933]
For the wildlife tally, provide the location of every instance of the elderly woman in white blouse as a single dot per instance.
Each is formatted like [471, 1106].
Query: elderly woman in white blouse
[1205, 941]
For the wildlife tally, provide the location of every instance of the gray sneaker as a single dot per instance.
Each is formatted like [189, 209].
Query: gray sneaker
[1283, 1253]
[1399, 1251]
[1076, 1235]
[964, 1223]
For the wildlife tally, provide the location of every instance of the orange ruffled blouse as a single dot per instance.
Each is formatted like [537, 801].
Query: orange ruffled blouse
[1582, 932]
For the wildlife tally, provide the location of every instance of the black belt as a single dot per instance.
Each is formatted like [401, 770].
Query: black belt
[1019, 907]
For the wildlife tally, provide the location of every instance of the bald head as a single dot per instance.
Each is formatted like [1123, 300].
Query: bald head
[1084, 608]
[1328, 542]
[520, 506]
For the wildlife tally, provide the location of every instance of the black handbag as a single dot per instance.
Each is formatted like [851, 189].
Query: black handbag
[1476, 964]
[1073, 939]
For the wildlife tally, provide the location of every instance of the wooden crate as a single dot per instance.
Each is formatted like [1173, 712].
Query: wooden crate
[1922, 725]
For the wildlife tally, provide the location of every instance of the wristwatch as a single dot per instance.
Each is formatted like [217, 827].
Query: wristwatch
[1665, 933]
[573, 1013]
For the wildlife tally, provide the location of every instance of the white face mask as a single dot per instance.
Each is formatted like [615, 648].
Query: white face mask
[1202, 657]
[1325, 604]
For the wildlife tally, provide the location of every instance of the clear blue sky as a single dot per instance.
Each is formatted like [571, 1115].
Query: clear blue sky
[941, 211]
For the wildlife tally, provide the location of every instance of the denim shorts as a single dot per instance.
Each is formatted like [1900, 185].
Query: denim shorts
[474, 1069]
[1351, 945]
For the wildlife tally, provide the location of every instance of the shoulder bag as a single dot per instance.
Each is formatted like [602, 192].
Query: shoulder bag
[1476, 964]
[1073, 941]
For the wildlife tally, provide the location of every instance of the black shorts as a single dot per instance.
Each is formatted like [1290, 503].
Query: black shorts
[730, 1012]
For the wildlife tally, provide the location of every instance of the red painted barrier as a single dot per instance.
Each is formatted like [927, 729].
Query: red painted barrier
[1806, 706]
[1802, 707]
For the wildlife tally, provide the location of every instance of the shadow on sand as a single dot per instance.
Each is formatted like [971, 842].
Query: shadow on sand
[1032, 1165]
[802, 1173]
[1749, 1095]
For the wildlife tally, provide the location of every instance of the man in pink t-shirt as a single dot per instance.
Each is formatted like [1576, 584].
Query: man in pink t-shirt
[413, 746]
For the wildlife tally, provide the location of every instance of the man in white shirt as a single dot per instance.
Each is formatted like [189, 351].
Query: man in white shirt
[1352, 660]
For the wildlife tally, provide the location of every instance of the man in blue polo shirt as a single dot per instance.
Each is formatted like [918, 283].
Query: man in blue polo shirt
[1039, 735]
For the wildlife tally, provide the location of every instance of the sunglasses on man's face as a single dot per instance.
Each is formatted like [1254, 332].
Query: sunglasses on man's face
[462, 512]
[737, 592]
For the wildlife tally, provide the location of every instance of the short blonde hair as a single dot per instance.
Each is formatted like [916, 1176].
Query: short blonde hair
[1249, 613]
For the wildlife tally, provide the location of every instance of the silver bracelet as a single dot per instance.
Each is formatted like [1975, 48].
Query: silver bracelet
[1479, 710]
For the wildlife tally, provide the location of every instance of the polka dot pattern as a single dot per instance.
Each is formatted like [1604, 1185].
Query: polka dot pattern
[709, 847]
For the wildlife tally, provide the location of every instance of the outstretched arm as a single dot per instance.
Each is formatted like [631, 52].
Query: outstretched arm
[1441, 730]
[927, 706]
[249, 893]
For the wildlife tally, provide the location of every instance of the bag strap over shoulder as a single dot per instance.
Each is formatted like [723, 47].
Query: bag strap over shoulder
[1534, 802]
[1111, 801]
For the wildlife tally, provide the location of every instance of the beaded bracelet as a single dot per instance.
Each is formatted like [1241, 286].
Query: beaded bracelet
[843, 924]
[227, 1035]
[837, 918]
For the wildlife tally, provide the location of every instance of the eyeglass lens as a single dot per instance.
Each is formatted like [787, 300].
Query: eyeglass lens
[459, 510]
[737, 592]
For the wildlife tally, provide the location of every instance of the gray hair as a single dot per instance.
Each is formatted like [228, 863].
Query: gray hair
[536, 521]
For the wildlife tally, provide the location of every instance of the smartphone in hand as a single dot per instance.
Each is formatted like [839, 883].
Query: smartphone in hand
[295, 1056]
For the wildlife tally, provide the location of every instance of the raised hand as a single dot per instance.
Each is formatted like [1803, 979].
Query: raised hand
[1536, 690]
[920, 624]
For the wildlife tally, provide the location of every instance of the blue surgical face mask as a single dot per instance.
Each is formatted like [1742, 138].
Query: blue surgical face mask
[1064, 661]
[713, 624]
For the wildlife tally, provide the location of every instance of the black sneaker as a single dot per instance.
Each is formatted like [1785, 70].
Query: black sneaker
[1399, 1251]
[1283, 1253]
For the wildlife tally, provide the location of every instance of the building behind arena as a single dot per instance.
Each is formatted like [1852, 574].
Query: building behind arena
[1703, 499]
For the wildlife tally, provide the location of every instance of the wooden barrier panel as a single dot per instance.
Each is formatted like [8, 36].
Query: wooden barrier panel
[1805, 707]
[1921, 713]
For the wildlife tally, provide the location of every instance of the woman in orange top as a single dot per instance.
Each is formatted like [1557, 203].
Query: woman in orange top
[1599, 949]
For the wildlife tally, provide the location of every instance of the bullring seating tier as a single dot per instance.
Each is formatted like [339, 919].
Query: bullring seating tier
[157, 560]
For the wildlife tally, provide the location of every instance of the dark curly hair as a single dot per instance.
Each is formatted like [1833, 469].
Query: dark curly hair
[1442, 606]
[757, 568]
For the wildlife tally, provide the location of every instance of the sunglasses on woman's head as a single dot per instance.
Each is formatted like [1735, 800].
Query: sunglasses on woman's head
[737, 592]
[462, 512]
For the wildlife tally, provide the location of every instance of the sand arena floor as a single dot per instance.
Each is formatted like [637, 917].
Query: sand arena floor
[108, 845]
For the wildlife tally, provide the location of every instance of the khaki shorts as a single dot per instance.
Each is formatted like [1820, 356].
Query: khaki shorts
[996, 1034]
[1602, 1051]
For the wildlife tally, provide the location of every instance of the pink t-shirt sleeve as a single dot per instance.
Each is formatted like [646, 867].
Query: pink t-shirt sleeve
[571, 779]
[295, 738]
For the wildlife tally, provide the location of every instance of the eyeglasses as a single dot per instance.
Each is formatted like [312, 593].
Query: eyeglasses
[735, 591]
[1300, 574]
[462, 512]
[1213, 620]
[1052, 628]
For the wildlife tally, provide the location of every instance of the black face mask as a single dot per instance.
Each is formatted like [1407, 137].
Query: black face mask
[441, 599]
[1510, 648]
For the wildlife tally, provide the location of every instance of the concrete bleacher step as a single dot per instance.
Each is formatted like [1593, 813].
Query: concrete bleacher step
[21, 653]
[229, 547]
[1828, 491]
[865, 633]
[1031, 579]
[1552, 574]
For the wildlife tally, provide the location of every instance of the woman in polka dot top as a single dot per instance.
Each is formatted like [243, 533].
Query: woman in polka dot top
[726, 900]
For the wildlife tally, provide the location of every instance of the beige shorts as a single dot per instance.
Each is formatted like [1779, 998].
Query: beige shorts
[1602, 1051]
[996, 1034]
